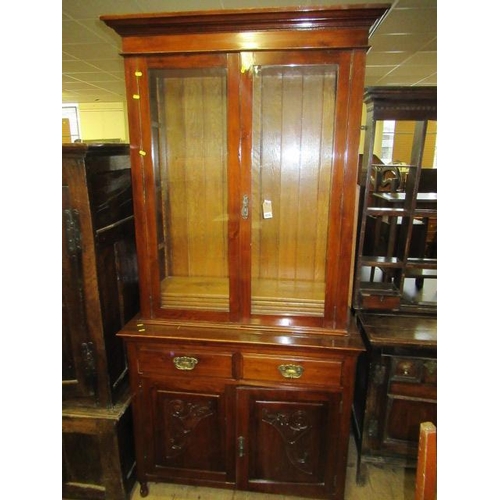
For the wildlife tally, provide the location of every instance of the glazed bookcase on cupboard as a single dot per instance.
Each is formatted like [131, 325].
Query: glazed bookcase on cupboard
[244, 131]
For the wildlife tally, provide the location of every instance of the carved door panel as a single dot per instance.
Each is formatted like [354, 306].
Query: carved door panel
[185, 432]
[287, 441]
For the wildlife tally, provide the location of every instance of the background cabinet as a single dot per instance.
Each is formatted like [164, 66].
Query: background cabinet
[100, 294]
[396, 267]
[245, 132]
[395, 292]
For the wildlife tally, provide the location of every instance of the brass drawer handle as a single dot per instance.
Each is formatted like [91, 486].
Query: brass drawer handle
[185, 362]
[291, 371]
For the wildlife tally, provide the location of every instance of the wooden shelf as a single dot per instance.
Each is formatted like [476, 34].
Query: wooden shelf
[386, 262]
[413, 263]
[291, 297]
[387, 211]
[195, 293]
[294, 297]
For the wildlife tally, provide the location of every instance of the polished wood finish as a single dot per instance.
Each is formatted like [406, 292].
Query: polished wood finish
[244, 130]
[426, 485]
[100, 294]
[144, 52]
[255, 410]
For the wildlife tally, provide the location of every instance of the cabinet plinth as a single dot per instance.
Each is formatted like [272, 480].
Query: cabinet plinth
[244, 129]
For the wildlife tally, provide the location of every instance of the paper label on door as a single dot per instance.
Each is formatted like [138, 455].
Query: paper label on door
[267, 209]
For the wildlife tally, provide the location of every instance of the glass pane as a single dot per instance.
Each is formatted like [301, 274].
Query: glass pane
[396, 142]
[292, 155]
[188, 108]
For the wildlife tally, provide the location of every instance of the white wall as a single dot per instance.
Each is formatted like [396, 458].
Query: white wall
[107, 120]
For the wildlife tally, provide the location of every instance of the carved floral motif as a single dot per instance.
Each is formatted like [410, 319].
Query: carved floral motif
[292, 426]
[183, 418]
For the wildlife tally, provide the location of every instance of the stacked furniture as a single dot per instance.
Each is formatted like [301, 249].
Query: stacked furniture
[100, 294]
[395, 289]
[244, 129]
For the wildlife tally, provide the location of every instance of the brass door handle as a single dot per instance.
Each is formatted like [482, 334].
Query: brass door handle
[291, 371]
[185, 362]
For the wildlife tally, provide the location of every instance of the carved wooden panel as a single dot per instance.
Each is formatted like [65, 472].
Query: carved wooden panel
[187, 430]
[289, 438]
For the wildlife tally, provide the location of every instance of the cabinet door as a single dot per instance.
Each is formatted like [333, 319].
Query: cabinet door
[183, 432]
[302, 191]
[250, 201]
[189, 135]
[78, 378]
[286, 441]
[411, 400]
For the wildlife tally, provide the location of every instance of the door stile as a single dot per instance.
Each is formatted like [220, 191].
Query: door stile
[234, 196]
[136, 78]
[245, 211]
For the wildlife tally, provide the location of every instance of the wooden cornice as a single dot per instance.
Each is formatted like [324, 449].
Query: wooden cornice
[366, 16]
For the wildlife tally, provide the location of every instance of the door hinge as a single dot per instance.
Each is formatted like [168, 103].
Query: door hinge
[244, 206]
[241, 447]
[72, 231]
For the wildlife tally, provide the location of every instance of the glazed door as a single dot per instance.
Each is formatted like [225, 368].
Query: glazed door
[286, 441]
[247, 204]
[294, 159]
[190, 101]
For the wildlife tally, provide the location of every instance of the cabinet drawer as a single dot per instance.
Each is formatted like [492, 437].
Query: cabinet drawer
[184, 362]
[380, 301]
[418, 370]
[407, 369]
[290, 369]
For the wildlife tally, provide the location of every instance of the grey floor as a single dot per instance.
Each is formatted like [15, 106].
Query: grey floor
[383, 483]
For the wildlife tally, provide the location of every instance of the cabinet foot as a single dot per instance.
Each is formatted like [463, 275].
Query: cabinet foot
[144, 490]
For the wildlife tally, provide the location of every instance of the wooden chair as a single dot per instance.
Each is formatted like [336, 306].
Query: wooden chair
[426, 478]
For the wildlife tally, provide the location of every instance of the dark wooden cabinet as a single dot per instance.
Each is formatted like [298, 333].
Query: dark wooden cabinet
[100, 294]
[396, 388]
[244, 131]
[395, 290]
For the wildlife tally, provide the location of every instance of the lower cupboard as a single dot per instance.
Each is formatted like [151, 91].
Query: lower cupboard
[259, 412]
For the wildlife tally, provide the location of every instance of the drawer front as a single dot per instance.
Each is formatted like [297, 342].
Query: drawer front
[378, 301]
[418, 370]
[187, 362]
[291, 369]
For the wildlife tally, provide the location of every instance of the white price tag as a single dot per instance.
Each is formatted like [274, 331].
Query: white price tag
[267, 209]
